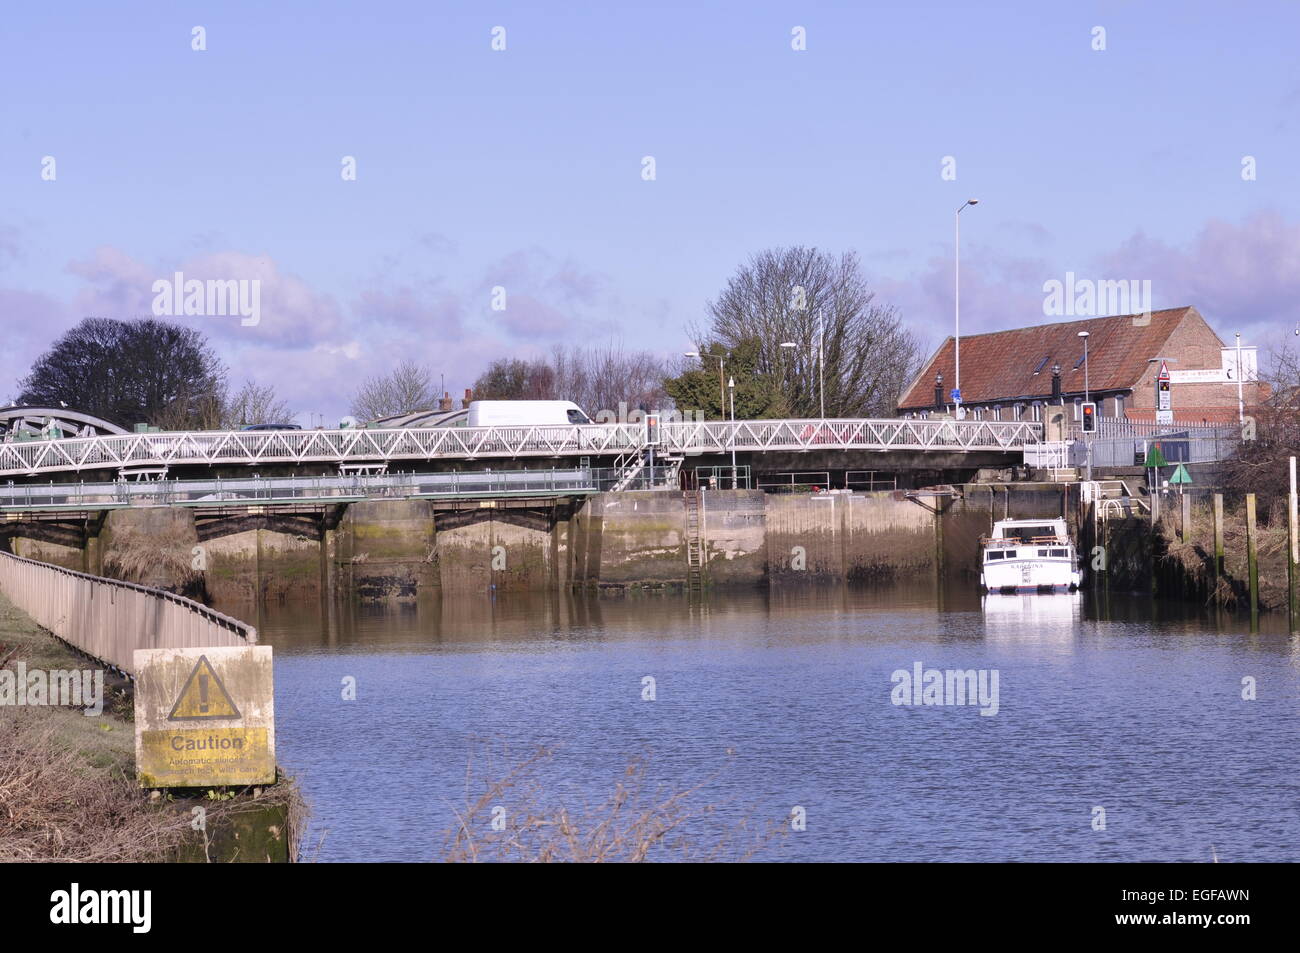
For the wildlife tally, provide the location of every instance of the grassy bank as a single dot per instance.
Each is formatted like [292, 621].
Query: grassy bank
[1196, 555]
[68, 788]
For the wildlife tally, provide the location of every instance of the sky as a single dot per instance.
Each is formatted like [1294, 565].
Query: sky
[1116, 140]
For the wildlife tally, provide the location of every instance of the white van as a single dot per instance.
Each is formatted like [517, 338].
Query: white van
[524, 413]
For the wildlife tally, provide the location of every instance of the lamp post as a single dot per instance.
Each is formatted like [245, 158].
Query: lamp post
[731, 386]
[821, 373]
[1087, 442]
[722, 391]
[956, 297]
[1084, 335]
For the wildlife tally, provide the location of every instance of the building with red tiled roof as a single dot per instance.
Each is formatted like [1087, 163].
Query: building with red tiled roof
[1013, 375]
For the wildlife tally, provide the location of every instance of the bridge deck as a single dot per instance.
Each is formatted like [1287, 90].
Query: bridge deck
[216, 448]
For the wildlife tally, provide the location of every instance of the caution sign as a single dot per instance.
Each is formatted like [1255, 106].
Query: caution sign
[204, 717]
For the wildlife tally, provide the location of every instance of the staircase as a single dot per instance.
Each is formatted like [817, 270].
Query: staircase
[633, 465]
[694, 543]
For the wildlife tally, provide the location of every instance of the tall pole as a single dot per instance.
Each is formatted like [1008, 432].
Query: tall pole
[1086, 395]
[956, 298]
[821, 360]
[1241, 404]
[733, 433]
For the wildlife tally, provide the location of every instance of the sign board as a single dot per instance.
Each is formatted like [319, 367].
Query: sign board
[956, 396]
[1155, 457]
[1181, 475]
[1209, 375]
[1164, 390]
[1249, 363]
[1164, 416]
[204, 717]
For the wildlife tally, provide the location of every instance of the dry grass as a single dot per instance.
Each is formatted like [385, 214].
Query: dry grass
[54, 806]
[140, 557]
[635, 823]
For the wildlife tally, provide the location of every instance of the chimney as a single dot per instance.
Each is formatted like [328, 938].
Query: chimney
[469, 395]
[1056, 382]
[446, 403]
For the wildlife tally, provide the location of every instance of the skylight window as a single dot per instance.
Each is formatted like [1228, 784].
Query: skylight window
[1042, 364]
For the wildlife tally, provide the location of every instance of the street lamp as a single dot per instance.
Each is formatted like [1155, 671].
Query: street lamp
[1087, 443]
[956, 297]
[1084, 335]
[821, 371]
[722, 392]
[731, 386]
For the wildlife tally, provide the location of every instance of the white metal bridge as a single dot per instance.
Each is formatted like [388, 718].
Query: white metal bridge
[365, 446]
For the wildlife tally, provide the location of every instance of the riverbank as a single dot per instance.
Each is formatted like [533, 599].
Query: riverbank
[68, 787]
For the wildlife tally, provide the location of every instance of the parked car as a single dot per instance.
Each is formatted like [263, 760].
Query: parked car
[271, 427]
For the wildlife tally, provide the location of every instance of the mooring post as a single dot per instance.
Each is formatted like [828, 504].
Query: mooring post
[1186, 516]
[1293, 554]
[1218, 543]
[1252, 561]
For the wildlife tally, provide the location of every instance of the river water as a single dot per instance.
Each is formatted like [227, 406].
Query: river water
[1129, 714]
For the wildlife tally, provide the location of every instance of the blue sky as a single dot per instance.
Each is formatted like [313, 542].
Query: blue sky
[522, 168]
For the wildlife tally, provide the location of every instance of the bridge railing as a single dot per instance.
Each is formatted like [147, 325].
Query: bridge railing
[109, 619]
[469, 443]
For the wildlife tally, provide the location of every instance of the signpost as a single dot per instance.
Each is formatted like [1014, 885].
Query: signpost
[204, 717]
[1164, 396]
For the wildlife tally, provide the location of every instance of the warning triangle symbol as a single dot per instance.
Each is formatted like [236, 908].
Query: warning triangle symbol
[203, 697]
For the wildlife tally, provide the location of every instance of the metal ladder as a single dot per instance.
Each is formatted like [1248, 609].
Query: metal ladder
[694, 545]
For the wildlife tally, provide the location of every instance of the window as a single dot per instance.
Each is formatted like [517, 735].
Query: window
[578, 417]
[995, 554]
[1078, 408]
[997, 412]
[1059, 552]
[1038, 410]
[1042, 364]
[1119, 405]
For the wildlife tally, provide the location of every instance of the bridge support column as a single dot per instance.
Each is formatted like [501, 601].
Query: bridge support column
[386, 550]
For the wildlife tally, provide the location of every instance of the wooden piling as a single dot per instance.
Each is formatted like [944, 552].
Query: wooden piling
[1218, 542]
[1186, 522]
[1293, 554]
[1252, 560]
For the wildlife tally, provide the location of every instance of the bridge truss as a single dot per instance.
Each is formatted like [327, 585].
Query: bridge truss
[218, 448]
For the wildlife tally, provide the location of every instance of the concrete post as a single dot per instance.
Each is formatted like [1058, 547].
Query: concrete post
[1186, 522]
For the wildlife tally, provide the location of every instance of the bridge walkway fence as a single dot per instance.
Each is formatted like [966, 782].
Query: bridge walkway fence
[216, 448]
[108, 619]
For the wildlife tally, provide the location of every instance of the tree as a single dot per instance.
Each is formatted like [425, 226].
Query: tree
[515, 379]
[1271, 431]
[131, 372]
[818, 303]
[596, 379]
[700, 385]
[254, 404]
[408, 388]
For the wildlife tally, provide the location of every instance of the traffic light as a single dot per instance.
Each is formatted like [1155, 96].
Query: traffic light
[652, 436]
[1090, 417]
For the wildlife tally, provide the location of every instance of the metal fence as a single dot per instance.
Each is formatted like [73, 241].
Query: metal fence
[474, 484]
[109, 619]
[1187, 445]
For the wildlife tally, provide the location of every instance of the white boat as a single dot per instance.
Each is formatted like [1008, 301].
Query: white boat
[1029, 555]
